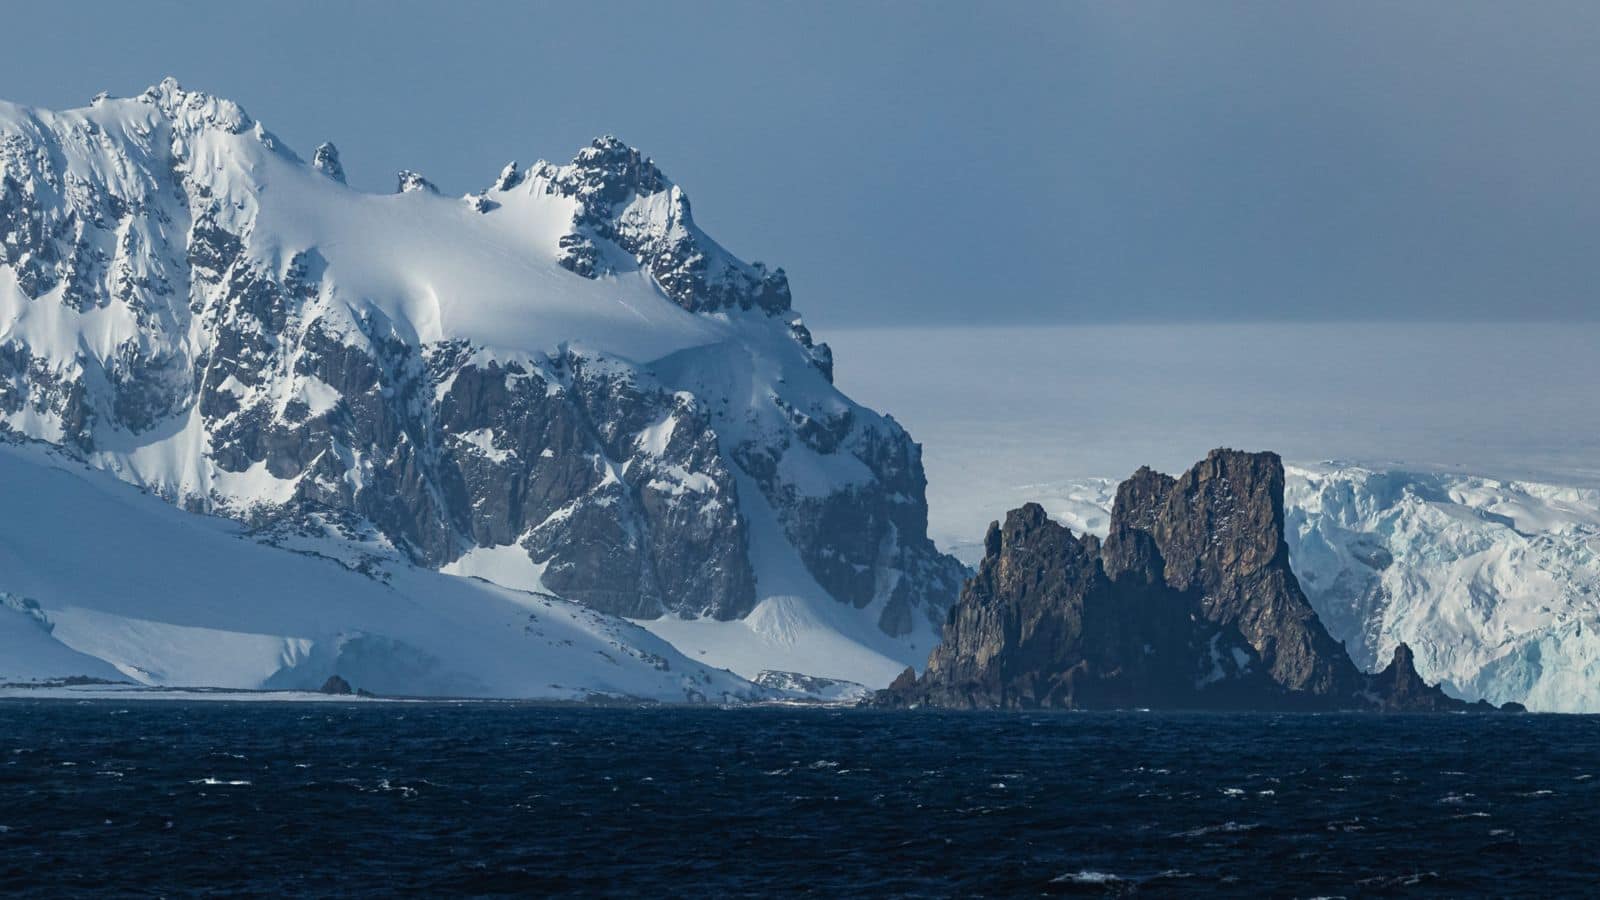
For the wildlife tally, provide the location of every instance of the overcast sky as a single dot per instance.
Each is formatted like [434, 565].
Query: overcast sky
[943, 163]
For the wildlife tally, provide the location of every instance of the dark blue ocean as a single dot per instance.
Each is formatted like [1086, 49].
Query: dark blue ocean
[271, 798]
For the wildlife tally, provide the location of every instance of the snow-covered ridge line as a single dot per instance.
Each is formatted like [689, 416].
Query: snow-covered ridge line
[1494, 584]
[560, 381]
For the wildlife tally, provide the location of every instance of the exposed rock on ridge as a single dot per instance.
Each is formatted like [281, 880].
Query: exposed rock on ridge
[326, 161]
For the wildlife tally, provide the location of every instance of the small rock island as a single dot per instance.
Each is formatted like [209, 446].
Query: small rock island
[1188, 603]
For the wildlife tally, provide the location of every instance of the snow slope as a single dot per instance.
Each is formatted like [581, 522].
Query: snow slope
[108, 582]
[433, 265]
[793, 628]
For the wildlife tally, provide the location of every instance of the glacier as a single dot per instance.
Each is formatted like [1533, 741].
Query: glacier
[1495, 584]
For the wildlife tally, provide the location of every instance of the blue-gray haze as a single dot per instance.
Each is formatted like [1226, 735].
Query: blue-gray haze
[964, 163]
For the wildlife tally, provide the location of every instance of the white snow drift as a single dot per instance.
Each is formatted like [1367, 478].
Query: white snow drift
[101, 580]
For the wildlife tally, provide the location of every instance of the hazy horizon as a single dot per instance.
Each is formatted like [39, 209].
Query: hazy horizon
[1003, 414]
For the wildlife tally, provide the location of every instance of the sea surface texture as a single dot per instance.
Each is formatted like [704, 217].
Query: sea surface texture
[383, 798]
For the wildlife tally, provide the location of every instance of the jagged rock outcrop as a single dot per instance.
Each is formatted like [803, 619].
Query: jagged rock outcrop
[326, 161]
[1489, 581]
[1189, 602]
[407, 181]
[625, 201]
[1219, 531]
[575, 389]
[336, 685]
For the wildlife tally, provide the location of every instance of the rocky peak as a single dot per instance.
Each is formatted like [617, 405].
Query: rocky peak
[192, 110]
[1399, 688]
[1403, 659]
[1219, 531]
[510, 177]
[625, 200]
[336, 684]
[326, 161]
[408, 182]
[1027, 543]
[608, 172]
[1189, 602]
[1140, 498]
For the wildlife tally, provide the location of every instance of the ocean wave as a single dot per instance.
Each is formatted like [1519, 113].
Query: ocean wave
[1224, 828]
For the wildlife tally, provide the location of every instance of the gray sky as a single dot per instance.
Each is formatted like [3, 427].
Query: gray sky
[943, 163]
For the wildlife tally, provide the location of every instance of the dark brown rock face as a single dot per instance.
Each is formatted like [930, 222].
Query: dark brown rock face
[1398, 688]
[1219, 530]
[336, 685]
[1188, 603]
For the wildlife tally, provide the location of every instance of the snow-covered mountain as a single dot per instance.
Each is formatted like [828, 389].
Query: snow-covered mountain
[1495, 585]
[101, 580]
[560, 382]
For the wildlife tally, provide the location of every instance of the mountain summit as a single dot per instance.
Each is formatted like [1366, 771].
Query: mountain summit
[559, 383]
